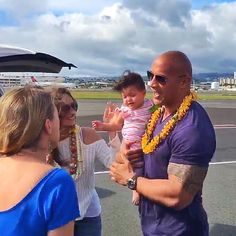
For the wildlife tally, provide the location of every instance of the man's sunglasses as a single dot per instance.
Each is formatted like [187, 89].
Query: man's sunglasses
[159, 78]
[66, 107]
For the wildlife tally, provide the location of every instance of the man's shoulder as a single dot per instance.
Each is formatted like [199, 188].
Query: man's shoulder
[197, 114]
[196, 120]
[197, 107]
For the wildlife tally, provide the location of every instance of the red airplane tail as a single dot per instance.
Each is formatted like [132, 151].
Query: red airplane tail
[33, 79]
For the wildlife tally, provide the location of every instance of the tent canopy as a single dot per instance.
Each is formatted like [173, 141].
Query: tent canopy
[14, 59]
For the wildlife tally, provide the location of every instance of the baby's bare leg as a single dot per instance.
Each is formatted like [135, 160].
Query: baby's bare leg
[135, 197]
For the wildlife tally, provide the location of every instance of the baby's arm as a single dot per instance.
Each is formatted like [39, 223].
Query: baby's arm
[114, 124]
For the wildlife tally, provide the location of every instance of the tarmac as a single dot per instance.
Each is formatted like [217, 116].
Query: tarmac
[120, 217]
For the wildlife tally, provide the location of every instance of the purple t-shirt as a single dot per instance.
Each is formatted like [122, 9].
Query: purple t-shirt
[192, 142]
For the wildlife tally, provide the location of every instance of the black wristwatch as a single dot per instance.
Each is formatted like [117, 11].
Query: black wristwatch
[132, 182]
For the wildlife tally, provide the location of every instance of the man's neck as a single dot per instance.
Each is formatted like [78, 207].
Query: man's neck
[171, 109]
[168, 111]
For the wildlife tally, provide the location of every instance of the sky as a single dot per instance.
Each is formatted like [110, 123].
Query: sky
[107, 37]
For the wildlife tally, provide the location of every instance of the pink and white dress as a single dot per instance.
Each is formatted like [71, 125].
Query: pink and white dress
[135, 122]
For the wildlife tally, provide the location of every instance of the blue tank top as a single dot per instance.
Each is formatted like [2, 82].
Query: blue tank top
[51, 204]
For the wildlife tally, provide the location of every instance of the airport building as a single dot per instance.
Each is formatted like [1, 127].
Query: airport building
[15, 80]
[228, 81]
[9, 81]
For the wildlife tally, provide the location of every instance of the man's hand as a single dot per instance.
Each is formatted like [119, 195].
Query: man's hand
[121, 172]
[134, 156]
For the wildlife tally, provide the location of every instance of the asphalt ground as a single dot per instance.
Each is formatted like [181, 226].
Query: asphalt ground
[120, 217]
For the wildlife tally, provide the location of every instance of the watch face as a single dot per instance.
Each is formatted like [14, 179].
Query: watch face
[131, 184]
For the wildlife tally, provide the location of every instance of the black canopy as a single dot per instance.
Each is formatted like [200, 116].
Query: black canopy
[14, 59]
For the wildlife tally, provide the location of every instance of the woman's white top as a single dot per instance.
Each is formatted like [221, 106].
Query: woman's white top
[89, 203]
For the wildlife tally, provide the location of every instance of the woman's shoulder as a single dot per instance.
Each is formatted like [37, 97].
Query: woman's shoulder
[58, 179]
[55, 175]
[89, 135]
[44, 181]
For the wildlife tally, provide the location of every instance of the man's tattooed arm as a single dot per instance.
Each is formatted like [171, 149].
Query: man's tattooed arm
[190, 176]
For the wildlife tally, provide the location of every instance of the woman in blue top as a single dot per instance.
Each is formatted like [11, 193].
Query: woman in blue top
[35, 199]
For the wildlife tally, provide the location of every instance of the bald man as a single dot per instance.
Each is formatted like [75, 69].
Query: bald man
[177, 153]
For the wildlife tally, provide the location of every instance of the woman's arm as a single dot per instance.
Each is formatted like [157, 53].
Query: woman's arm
[61, 208]
[67, 230]
[103, 152]
[90, 135]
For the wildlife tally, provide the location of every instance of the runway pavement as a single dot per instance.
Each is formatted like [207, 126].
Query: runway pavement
[219, 192]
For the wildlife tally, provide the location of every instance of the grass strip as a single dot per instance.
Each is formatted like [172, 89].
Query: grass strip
[111, 95]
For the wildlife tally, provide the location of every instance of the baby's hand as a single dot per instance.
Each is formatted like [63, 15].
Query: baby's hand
[109, 112]
[97, 125]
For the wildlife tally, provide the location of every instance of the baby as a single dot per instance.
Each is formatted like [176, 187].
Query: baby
[132, 116]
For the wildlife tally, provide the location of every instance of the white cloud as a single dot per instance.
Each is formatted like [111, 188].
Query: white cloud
[172, 11]
[220, 22]
[125, 36]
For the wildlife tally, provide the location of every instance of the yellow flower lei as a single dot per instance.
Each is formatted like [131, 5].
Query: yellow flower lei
[148, 144]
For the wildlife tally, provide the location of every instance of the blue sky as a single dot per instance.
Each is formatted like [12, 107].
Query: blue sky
[106, 37]
[5, 19]
[202, 3]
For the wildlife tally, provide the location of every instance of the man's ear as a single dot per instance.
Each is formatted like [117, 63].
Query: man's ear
[48, 126]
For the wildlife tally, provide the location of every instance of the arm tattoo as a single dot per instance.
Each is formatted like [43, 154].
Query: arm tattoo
[190, 176]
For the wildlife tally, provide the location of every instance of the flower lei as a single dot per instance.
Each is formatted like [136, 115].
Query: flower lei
[148, 144]
[76, 161]
[75, 166]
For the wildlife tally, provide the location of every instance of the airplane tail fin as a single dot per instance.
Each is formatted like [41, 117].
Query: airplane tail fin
[33, 79]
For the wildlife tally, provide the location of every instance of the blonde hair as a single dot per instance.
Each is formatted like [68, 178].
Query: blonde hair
[23, 113]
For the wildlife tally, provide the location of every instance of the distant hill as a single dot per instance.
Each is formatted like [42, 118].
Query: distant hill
[210, 76]
[199, 77]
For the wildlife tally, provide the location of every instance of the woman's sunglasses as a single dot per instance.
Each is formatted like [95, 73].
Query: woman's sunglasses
[66, 107]
[159, 78]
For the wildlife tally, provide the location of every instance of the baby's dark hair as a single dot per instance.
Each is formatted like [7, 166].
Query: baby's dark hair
[129, 78]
